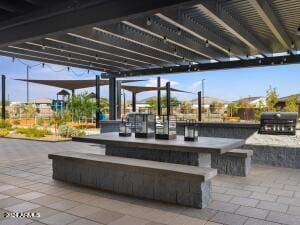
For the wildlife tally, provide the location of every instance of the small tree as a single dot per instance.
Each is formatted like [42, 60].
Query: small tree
[259, 110]
[291, 104]
[215, 105]
[187, 107]
[271, 99]
[232, 109]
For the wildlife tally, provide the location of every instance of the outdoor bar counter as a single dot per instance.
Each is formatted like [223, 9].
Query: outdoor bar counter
[199, 153]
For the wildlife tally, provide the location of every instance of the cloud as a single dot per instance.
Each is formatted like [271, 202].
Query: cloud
[153, 82]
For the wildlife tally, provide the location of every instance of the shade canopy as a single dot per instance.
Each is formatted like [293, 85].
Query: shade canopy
[63, 93]
[138, 89]
[73, 84]
[129, 37]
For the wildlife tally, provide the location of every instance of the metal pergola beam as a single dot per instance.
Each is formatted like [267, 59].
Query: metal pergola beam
[182, 21]
[124, 30]
[89, 12]
[270, 61]
[222, 17]
[38, 51]
[69, 42]
[48, 60]
[266, 13]
[186, 47]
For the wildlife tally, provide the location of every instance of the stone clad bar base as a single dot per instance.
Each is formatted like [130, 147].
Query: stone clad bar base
[169, 185]
[283, 156]
[237, 162]
[185, 158]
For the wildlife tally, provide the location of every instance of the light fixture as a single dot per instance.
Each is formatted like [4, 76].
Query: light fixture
[293, 44]
[298, 31]
[149, 21]
[178, 31]
[281, 62]
[206, 44]
[272, 63]
[284, 59]
[259, 61]
[165, 40]
[90, 65]
[43, 47]
[171, 69]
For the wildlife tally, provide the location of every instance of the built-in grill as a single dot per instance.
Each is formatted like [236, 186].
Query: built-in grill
[278, 123]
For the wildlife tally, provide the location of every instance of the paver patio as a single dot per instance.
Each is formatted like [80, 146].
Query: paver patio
[269, 196]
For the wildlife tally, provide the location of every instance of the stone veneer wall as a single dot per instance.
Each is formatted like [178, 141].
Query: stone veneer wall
[225, 130]
[146, 183]
[285, 156]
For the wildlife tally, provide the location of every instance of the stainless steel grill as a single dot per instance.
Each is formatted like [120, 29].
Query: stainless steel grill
[278, 123]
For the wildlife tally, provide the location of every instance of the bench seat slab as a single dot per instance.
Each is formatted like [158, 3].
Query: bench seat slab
[184, 189]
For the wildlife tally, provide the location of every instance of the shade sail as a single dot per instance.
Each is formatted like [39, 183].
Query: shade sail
[138, 89]
[73, 84]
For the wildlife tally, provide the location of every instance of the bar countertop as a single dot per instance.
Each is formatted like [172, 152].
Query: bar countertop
[203, 145]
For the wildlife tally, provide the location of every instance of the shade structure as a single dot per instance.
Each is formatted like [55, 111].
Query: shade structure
[139, 89]
[127, 38]
[63, 93]
[73, 84]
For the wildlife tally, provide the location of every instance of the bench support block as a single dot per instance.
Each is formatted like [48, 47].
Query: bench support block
[231, 165]
[163, 186]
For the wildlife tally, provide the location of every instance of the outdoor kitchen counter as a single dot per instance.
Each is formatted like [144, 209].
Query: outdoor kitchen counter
[203, 145]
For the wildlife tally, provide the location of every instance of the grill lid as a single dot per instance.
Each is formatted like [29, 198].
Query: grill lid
[279, 116]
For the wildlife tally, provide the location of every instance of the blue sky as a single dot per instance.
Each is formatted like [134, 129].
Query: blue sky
[224, 84]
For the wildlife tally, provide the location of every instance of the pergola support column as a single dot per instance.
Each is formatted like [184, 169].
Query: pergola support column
[199, 106]
[133, 101]
[97, 100]
[119, 99]
[3, 97]
[158, 97]
[112, 98]
[168, 95]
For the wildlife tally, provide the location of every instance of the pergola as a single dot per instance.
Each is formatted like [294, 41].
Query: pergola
[124, 38]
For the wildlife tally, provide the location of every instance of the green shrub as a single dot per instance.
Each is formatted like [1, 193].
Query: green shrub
[33, 132]
[68, 131]
[40, 121]
[4, 132]
[5, 124]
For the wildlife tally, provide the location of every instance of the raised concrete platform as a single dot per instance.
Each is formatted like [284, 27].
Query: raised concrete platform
[180, 184]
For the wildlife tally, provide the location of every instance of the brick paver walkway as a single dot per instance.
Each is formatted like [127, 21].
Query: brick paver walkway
[269, 196]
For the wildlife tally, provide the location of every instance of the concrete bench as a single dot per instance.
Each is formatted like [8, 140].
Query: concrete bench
[236, 162]
[180, 184]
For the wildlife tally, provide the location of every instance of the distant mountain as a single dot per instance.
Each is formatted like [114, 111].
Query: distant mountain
[209, 100]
